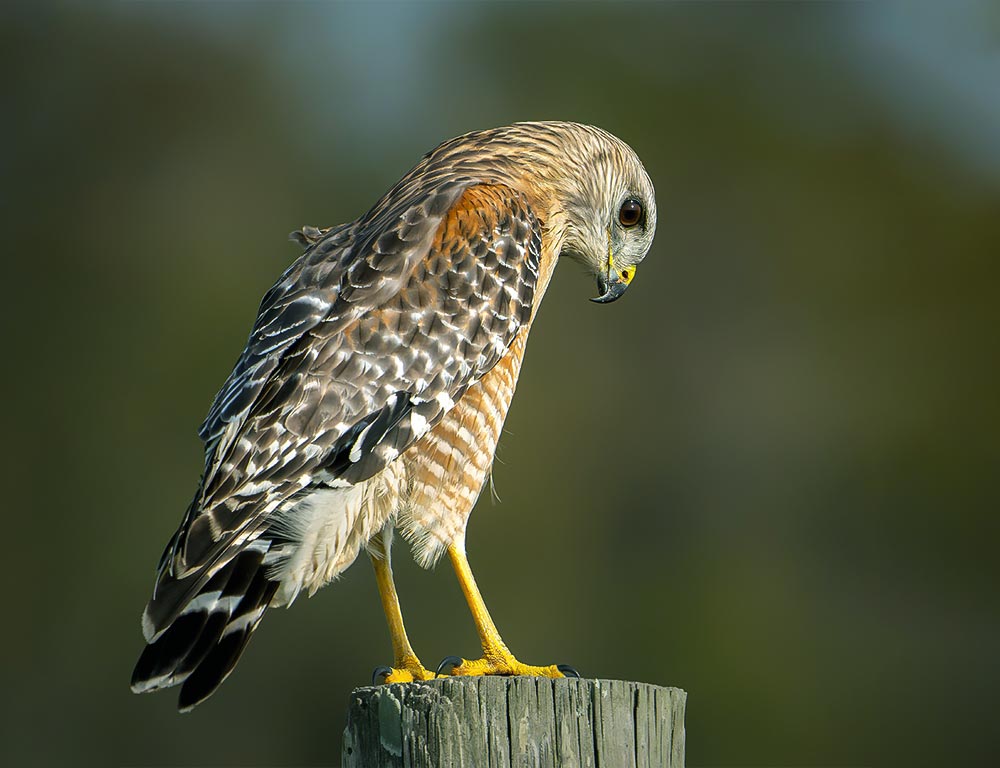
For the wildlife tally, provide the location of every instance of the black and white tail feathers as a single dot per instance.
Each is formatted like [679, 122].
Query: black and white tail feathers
[201, 646]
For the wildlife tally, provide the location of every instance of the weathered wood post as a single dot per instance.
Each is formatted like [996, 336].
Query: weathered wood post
[515, 721]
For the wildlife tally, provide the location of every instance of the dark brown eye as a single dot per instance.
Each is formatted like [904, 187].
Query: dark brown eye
[630, 213]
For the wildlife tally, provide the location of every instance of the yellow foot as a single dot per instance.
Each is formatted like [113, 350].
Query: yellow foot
[501, 663]
[407, 671]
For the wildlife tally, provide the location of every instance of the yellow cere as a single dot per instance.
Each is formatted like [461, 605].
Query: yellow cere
[625, 275]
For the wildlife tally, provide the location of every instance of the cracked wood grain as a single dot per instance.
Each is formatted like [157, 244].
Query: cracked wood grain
[501, 722]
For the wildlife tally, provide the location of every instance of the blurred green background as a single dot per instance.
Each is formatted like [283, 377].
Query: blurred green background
[772, 481]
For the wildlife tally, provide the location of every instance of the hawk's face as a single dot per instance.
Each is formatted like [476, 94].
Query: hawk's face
[611, 216]
[591, 190]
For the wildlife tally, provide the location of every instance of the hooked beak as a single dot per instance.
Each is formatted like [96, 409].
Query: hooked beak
[612, 284]
[611, 281]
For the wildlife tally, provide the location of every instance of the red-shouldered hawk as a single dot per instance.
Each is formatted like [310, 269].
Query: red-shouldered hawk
[374, 386]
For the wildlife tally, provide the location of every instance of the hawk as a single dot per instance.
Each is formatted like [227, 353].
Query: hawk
[372, 391]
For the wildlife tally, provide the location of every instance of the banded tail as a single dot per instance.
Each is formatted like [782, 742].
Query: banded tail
[199, 646]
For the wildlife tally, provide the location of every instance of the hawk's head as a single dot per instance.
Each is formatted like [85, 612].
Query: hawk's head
[589, 188]
[604, 201]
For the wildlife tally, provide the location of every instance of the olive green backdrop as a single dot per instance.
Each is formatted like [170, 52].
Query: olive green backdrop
[768, 476]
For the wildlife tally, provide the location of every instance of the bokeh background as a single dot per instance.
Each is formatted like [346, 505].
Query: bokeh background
[768, 476]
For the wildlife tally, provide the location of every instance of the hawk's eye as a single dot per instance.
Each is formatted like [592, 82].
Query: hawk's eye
[630, 213]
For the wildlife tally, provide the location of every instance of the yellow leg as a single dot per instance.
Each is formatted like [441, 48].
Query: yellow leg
[406, 667]
[497, 659]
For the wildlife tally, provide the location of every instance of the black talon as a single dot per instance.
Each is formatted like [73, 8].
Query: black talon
[380, 672]
[568, 671]
[449, 661]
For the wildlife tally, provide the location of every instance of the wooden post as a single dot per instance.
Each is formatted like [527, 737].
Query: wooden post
[515, 721]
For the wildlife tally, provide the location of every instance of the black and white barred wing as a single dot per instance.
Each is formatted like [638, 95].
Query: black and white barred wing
[421, 311]
[247, 444]
[301, 298]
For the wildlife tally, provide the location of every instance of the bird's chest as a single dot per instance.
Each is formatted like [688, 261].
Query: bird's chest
[448, 466]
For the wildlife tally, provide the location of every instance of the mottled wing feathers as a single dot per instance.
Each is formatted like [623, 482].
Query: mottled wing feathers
[301, 298]
[358, 351]
[450, 322]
